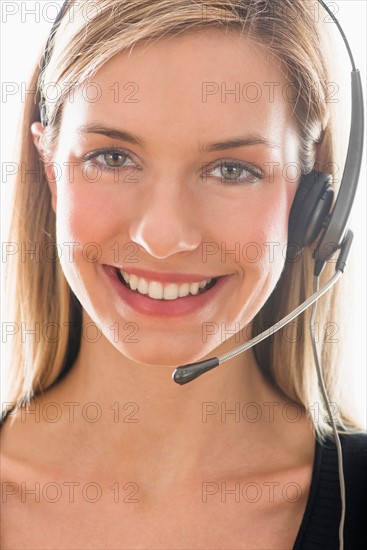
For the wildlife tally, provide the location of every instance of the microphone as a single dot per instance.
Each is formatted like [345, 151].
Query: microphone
[186, 373]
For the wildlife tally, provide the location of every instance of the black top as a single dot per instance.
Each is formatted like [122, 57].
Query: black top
[320, 524]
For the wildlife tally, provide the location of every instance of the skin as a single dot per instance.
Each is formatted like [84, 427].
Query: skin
[169, 213]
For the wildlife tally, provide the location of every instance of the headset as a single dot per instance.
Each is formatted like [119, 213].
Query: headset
[311, 216]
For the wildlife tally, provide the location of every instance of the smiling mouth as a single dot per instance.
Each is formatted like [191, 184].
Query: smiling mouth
[157, 291]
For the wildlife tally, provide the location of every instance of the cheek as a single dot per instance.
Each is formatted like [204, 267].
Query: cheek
[92, 214]
[261, 252]
[86, 224]
[260, 232]
[86, 214]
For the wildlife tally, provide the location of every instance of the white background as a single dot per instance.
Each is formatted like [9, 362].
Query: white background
[22, 40]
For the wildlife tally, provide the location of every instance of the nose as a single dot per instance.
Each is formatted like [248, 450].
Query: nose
[164, 223]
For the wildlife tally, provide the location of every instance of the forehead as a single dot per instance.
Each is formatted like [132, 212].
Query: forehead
[201, 81]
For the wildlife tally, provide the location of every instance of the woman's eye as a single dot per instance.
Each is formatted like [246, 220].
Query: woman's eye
[230, 172]
[114, 160]
[236, 172]
[109, 160]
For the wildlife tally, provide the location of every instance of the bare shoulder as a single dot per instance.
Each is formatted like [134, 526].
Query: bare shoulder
[31, 457]
[33, 448]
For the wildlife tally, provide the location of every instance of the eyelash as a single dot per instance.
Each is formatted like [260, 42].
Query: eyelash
[250, 169]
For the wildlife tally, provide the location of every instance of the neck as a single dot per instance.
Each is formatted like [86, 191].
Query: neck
[133, 417]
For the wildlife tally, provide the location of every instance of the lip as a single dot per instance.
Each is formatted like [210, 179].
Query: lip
[165, 308]
[166, 277]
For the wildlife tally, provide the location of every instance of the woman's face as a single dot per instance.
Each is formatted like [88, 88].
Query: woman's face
[169, 200]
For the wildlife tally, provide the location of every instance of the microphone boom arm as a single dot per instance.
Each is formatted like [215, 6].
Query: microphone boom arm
[186, 373]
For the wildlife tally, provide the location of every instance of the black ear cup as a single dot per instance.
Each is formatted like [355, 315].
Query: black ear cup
[310, 209]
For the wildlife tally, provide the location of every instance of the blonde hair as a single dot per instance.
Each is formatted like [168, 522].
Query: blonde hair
[38, 289]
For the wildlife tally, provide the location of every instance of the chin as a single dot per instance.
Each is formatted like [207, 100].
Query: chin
[164, 356]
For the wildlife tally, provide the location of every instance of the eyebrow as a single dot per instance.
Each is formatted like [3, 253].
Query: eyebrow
[232, 143]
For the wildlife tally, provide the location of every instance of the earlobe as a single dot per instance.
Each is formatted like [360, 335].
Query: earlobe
[37, 131]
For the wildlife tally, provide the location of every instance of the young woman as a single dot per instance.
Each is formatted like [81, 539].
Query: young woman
[165, 173]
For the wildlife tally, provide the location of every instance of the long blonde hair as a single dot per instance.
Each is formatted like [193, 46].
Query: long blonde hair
[37, 288]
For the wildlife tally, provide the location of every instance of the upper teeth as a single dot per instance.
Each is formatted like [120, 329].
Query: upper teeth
[158, 291]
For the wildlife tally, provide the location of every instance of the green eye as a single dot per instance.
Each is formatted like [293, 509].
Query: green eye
[236, 172]
[114, 160]
[110, 160]
[233, 171]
